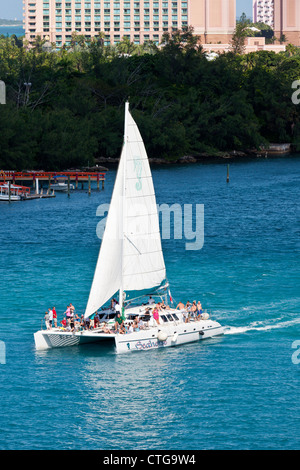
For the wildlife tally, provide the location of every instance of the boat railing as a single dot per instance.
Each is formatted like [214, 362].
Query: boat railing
[52, 174]
[15, 189]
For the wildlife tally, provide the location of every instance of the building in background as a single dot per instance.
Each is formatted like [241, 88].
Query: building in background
[138, 20]
[287, 21]
[263, 12]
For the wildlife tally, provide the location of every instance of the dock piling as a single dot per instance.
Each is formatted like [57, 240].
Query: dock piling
[89, 185]
[227, 174]
[68, 185]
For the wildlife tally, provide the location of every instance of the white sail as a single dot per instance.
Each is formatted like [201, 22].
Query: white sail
[131, 255]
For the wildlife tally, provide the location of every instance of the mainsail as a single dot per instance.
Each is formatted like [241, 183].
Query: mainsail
[130, 257]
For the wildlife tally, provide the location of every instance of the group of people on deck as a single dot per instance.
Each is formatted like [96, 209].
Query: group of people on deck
[72, 322]
[191, 311]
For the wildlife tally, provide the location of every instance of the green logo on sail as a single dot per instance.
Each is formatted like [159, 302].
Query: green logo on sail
[138, 166]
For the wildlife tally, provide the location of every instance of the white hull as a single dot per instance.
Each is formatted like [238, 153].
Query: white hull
[61, 187]
[5, 197]
[182, 333]
[143, 340]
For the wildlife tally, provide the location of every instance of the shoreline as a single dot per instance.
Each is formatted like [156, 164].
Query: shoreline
[222, 157]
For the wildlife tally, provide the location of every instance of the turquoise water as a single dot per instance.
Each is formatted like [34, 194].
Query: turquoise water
[10, 30]
[240, 391]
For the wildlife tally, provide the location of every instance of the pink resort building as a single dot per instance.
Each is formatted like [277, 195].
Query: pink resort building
[139, 20]
[287, 20]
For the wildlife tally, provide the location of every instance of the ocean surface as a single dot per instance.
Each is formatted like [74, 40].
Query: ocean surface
[239, 391]
[10, 30]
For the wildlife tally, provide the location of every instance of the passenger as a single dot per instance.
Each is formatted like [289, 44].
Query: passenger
[117, 307]
[72, 323]
[156, 315]
[96, 320]
[106, 329]
[141, 324]
[54, 317]
[185, 316]
[77, 322]
[180, 306]
[63, 322]
[188, 306]
[72, 308]
[130, 328]
[50, 313]
[136, 324]
[46, 318]
[199, 310]
[122, 330]
[151, 300]
[147, 316]
[87, 323]
[193, 310]
[162, 305]
[118, 321]
[113, 304]
[68, 314]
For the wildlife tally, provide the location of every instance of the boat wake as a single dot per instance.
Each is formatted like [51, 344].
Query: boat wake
[260, 326]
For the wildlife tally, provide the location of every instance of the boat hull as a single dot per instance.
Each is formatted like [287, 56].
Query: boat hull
[143, 340]
[5, 197]
[175, 335]
[49, 339]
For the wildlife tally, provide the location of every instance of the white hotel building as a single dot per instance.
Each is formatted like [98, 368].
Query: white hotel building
[263, 12]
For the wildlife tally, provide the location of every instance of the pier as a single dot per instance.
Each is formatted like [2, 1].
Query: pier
[70, 176]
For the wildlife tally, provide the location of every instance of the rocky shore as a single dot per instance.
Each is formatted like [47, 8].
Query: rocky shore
[219, 157]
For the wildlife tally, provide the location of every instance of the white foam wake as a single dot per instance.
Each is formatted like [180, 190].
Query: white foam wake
[259, 326]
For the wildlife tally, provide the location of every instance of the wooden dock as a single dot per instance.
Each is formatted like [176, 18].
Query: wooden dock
[79, 177]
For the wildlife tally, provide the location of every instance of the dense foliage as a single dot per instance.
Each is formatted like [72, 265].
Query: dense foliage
[65, 108]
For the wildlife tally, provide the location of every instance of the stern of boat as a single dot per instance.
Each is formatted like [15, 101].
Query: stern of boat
[41, 342]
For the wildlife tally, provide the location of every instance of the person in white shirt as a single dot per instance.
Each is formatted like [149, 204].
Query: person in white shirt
[50, 313]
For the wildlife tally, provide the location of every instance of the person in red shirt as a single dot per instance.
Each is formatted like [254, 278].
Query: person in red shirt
[63, 323]
[54, 317]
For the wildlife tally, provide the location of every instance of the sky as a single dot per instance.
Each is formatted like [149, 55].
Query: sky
[11, 9]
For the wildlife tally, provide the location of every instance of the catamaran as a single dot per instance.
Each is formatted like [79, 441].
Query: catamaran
[131, 264]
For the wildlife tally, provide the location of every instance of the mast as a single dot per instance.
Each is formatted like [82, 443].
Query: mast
[123, 205]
